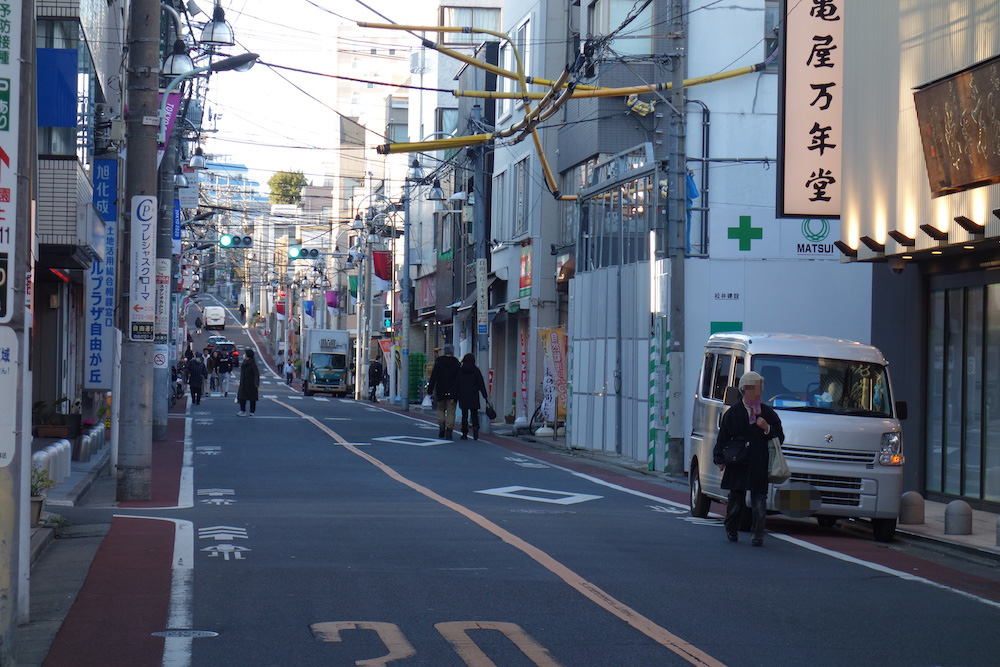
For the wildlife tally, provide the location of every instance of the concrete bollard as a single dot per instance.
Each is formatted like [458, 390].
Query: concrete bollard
[40, 460]
[958, 518]
[55, 466]
[65, 450]
[911, 508]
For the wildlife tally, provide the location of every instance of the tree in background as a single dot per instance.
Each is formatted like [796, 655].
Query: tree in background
[286, 187]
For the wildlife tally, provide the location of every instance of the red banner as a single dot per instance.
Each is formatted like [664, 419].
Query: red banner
[382, 264]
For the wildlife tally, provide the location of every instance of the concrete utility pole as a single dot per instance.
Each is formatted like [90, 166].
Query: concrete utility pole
[479, 234]
[164, 257]
[135, 452]
[15, 265]
[677, 224]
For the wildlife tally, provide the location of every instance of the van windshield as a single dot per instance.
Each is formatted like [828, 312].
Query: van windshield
[326, 360]
[824, 385]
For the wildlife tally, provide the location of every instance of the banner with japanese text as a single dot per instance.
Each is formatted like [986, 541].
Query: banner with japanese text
[554, 347]
[100, 295]
[811, 110]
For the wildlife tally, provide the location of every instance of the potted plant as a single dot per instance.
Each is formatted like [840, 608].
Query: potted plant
[40, 483]
[49, 422]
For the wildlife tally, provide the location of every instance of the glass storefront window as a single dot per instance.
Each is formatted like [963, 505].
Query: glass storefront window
[991, 375]
[935, 384]
[963, 392]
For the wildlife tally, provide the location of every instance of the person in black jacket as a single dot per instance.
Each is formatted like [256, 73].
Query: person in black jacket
[196, 374]
[470, 386]
[375, 373]
[443, 386]
[249, 385]
[747, 421]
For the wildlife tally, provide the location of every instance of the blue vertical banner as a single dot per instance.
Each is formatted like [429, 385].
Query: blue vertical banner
[100, 294]
[176, 236]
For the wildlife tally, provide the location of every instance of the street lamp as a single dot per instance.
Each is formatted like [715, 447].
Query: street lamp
[240, 63]
[218, 32]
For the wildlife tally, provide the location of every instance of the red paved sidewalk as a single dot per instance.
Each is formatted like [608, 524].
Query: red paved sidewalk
[124, 599]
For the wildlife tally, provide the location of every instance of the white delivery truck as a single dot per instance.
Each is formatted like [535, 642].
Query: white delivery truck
[326, 362]
[215, 317]
[843, 440]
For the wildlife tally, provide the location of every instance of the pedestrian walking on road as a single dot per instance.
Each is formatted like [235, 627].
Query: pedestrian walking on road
[289, 369]
[197, 324]
[443, 386]
[470, 386]
[243, 313]
[750, 421]
[224, 368]
[196, 378]
[249, 384]
[211, 365]
[189, 353]
[375, 373]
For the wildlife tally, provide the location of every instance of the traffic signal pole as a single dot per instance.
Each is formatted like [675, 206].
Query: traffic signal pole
[164, 260]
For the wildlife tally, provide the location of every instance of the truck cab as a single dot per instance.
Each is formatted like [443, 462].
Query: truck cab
[325, 363]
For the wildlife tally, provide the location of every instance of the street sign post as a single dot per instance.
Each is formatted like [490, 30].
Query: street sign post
[142, 278]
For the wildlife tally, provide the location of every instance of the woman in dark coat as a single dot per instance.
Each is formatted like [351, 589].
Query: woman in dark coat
[470, 386]
[747, 421]
[249, 383]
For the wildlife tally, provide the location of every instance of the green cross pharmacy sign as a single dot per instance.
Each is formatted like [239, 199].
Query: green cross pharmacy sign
[746, 233]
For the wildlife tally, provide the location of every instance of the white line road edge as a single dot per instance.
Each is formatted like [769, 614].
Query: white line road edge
[177, 651]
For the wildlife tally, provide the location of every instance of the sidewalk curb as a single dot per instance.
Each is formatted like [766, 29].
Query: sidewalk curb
[74, 495]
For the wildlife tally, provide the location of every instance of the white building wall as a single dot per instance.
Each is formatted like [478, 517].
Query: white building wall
[782, 281]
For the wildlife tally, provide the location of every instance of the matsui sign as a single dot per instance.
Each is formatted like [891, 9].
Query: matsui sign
[811, 107]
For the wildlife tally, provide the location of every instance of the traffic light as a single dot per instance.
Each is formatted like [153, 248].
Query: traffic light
[298, 252]
[235, 241]
[387, 318]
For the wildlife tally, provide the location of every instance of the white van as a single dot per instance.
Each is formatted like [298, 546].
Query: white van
[843, 440]
[215, 317]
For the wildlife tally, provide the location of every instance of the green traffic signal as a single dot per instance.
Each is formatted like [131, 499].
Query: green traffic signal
[298, 252]
[235, 241]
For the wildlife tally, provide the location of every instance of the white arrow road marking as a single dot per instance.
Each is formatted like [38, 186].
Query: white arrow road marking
[228, 533]
[540, 495]
[216, 492]
[666, 510]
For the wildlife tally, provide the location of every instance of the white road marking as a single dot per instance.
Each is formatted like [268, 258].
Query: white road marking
[540, 495]
[412, 440]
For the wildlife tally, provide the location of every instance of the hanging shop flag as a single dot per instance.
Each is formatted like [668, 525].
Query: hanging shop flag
[332, 299]
[382, 264]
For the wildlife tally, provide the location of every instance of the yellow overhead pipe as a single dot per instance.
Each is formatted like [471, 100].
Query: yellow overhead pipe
[499, 71]
[433, 144]
[519, 76]
[592, 92]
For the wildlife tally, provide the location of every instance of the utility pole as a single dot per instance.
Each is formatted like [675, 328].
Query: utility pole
[138, 273]
[15, 301]
[677, 231]
[479, 234]
[164, 257]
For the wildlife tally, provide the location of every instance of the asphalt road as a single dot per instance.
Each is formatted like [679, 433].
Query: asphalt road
[325, 531]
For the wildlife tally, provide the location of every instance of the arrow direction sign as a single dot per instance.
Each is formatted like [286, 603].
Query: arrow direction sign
[226, 550]
[209, 451]
[216, 492]
[218, 501]
[222, 533]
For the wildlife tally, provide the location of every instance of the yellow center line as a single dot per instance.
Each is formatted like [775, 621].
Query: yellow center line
[589, 590]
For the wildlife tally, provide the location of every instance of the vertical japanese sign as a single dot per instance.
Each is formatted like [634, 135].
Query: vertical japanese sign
[524, 377]
[100, 295]
[142, 269]
[482, 298]
[554, 348]
[9, 355]
[811, 109]
[524, 282]
[161, 328]
[175, 233]
[10, 94]
[170, 117]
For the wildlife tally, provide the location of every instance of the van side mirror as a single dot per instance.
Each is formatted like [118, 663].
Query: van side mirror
[901, 411]
[732, 396]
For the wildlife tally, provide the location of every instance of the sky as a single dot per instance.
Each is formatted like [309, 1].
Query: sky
[272, 119]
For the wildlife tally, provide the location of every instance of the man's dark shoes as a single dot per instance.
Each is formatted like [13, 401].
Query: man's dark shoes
[757, 542]
[732, 535]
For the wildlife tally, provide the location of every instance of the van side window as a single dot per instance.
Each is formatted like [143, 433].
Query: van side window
[738, 370]
[723, 368]
[707, 370]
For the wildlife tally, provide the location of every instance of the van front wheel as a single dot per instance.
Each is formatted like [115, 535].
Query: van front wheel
[700, 503]
[883, 529]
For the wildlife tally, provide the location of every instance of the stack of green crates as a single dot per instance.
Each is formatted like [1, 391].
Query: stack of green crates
[417, 382]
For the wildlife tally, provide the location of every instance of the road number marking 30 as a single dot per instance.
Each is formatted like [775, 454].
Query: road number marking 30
[456, 632]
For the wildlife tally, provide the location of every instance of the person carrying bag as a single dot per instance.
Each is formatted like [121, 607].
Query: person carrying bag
[741, 452]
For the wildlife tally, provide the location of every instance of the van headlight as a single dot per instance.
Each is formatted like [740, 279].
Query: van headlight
[891, 451]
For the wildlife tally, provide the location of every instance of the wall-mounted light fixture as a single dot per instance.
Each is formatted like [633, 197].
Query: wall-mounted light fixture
[902, 239]
[847, 250]
[970, 225]
[934, 232]
[872, 244]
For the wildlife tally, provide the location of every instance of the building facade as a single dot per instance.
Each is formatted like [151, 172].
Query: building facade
[920, 205]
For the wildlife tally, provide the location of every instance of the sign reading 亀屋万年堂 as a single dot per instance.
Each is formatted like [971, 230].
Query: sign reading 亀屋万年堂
[811, 109]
